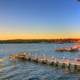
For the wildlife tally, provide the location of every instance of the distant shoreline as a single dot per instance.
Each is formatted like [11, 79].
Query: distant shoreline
[40, 41]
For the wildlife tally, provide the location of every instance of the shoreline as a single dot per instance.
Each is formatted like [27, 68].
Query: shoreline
[60, 41]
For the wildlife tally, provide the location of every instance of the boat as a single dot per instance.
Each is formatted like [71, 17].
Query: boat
[68, 49]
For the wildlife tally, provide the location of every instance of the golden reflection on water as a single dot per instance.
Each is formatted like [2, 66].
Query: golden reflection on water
[1, 62]
[1, 66]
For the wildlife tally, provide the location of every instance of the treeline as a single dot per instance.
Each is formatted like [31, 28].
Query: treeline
[40, 41]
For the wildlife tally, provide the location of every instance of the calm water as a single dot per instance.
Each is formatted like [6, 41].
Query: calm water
[33, 71]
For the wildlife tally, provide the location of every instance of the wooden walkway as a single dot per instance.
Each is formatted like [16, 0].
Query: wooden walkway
[49, 60]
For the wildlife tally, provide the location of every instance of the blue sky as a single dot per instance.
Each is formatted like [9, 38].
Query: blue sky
[40, 17]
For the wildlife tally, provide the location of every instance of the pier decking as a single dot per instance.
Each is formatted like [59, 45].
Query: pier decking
[73, 65]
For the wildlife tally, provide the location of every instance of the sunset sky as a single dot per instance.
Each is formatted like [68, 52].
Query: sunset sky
[37, 19]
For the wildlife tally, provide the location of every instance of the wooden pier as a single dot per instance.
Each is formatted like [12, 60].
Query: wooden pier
[73, 65]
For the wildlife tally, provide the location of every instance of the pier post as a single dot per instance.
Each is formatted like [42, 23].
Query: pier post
[63, 65]
[56, 64]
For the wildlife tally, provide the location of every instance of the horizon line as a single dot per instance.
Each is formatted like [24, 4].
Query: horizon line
[42, 39]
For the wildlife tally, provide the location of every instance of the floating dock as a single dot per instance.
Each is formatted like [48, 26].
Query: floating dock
[72, 65]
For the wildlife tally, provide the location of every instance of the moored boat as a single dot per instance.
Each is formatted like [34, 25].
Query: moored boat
[68, 49]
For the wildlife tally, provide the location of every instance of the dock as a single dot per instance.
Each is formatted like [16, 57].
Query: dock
[71, 64]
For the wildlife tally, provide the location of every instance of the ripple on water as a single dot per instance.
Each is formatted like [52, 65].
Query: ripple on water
[32, 71]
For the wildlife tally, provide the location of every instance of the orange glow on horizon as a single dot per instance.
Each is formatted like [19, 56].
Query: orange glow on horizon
[5, 37]
[37, 36]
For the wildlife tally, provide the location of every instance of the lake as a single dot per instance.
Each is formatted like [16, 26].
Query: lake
[33, 71]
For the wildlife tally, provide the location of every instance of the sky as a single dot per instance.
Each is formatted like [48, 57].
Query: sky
[37, 19]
